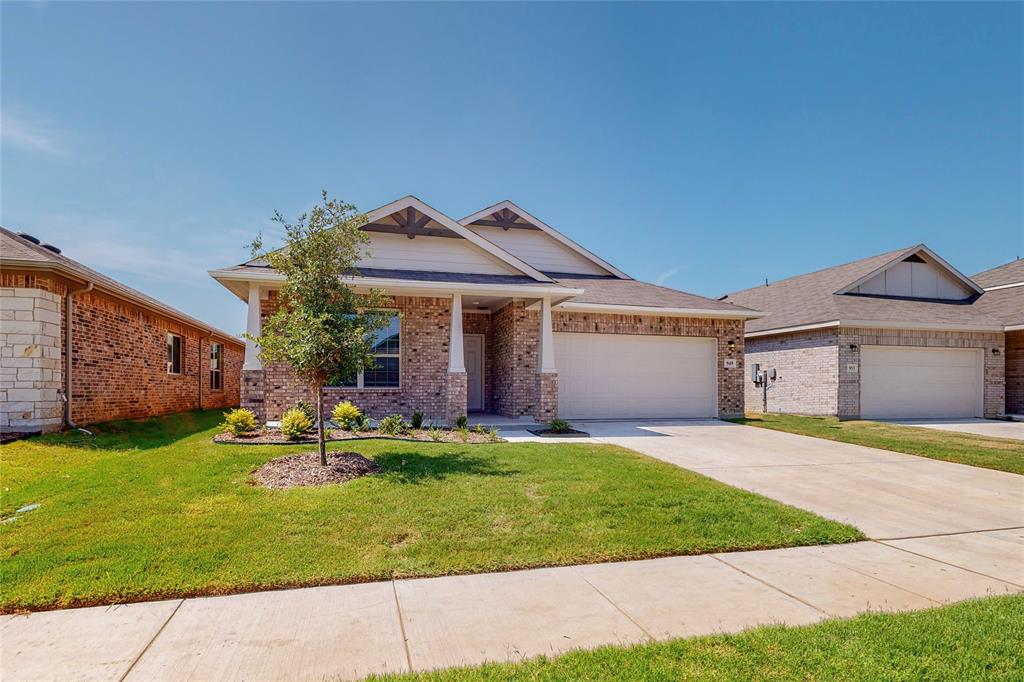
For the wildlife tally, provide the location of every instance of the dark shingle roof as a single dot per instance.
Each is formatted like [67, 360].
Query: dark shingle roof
[615, 291]
[811, 299]
[1008, 273]
[1006, 305]
[18, 251]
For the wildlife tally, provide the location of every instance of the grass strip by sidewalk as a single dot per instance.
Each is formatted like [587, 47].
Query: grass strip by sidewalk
[975, 640]
[1002, 454]
[155, 509]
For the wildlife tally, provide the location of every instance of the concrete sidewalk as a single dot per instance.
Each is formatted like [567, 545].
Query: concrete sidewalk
[347, 632]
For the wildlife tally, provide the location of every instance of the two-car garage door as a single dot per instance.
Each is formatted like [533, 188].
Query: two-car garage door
[611, 376]
[906, 383]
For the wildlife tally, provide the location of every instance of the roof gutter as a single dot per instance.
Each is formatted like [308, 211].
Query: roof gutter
[878, 324]
[739, 314]
[68, 351]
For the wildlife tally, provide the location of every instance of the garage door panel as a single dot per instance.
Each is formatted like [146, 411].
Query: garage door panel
[906, 383]
[607, 376]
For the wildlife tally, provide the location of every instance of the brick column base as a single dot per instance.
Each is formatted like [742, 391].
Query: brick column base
[253, 397]
[547, 397]
[457, 392]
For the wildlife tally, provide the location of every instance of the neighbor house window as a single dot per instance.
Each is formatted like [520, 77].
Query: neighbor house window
[173, 354]
[386, 350]
[215, 367]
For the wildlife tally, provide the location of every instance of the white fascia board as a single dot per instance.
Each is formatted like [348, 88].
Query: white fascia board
[1013, 328]
[491, 248]
[937, 326]
[547, 229]
[654, 310]
[964, 279]
[790, 330]
[1005, 286]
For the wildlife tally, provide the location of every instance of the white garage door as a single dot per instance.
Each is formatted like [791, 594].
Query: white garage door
[610, 376]
[908, 383]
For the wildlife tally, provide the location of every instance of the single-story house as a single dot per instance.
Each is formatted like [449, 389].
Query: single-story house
[899, 335]
[77, 347]
[1004, 299]
[500, 313]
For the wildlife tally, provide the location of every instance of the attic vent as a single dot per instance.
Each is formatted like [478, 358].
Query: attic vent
[50, 247]
[27, 236]
[913, 258]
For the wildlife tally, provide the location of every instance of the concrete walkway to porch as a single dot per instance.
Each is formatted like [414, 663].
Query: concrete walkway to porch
[951, 532]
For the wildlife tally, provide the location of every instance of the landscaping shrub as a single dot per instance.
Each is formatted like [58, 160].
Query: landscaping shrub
[240, 421]
[295, 423]
[417, 420]
[348, 416]
[463, 432]
[306, 409]
[392, 425]
[559, 426]
[461, 421]
[435, 434]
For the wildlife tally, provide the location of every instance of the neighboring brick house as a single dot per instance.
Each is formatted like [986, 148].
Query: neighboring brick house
[499, 313]
[130, 355]
[898, 335]
[1004, 300]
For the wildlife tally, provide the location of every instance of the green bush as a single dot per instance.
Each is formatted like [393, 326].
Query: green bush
[306, 409]
[295, 423]
[240, 421]
[559, 426]
[461, 421]
[435, 434]
[463, 433]
[347, 415]
[417, 420]
[392, 425]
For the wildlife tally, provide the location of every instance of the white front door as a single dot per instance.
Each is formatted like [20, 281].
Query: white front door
[610, 376]
[900, 382]
[474, 352]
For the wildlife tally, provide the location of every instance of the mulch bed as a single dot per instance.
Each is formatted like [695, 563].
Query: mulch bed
[548, 433]
[305, 470]
[275, 437]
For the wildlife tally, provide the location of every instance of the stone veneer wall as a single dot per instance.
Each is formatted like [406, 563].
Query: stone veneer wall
[994, 363]
[30, 359]
[1015, 372]
[808, 369]
[425, 333]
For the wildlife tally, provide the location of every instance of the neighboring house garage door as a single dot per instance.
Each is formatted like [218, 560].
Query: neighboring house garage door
[611, 376]
[906, 383]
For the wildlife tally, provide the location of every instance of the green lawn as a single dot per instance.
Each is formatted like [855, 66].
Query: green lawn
[976, 640]
[980, 451]
[156, 509]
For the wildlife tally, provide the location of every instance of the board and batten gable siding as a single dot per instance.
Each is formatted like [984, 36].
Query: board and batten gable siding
[434, 254]
[917, 280]
[540, 250]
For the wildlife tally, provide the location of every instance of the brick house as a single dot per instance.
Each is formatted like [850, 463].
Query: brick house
[501, 314]
[123, 355]
[899, 335]
[1004, 300]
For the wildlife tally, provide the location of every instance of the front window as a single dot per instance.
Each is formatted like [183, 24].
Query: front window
[173, 354]
[216, 379]
[386, 350]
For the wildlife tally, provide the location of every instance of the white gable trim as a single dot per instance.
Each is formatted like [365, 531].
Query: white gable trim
[464, 232]
[920, 248]
[547, 229]
[1005, 286]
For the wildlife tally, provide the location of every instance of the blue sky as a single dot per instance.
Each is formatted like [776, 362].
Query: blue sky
[705, 146]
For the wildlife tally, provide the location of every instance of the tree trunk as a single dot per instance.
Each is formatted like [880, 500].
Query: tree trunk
[321, 437]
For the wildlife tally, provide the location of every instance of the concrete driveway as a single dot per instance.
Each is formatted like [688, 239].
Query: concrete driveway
[885, 494]
[979, 427]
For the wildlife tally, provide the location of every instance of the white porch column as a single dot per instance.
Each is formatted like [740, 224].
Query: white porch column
[252, 327]
[547, 339]
[456, 355]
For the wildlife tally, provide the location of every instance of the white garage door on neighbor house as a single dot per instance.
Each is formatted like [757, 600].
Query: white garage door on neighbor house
[611, 376]
[908, 383]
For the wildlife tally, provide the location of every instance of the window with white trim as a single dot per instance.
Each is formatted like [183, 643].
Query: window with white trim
[386, 350]
[216, 378]
[174, 345]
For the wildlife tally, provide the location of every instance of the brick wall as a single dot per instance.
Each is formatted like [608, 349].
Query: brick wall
[425, 333]
[1015, 372]
[516, 333]
[808, 372]
[30, 365]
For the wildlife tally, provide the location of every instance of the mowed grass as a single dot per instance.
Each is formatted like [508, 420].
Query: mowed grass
[155, 509]
[976, 640]
[980, 451]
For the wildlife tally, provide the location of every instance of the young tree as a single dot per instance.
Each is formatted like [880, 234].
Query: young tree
[323, 328]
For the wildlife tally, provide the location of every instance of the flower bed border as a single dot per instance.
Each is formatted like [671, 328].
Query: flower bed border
[225, 438]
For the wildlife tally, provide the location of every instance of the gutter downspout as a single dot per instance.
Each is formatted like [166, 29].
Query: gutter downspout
[70, 306]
